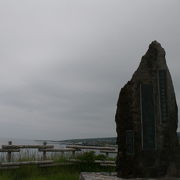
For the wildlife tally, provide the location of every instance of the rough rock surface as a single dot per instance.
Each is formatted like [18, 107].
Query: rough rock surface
[146, 120]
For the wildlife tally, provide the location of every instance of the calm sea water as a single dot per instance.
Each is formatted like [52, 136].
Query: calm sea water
[4, 141]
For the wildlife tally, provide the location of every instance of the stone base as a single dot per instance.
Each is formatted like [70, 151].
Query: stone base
[98, 176]
[112, 176]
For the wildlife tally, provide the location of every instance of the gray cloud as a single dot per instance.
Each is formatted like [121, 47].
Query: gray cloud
[62, 63]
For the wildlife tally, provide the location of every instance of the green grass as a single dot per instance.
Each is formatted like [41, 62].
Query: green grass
[68, 172]
[34, 173]
[57, 176]
[54, 173]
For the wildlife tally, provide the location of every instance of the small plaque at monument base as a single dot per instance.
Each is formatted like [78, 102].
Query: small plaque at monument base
[130, 142]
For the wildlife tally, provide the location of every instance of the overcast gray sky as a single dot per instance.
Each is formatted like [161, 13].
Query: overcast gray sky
[63, 62]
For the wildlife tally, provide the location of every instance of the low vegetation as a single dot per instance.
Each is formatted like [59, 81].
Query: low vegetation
[65, 172]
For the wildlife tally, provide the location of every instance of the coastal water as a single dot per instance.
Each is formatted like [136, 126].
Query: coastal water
[4, 141]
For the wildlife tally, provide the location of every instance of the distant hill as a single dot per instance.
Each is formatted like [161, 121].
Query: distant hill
[96, 141]
[92, 141]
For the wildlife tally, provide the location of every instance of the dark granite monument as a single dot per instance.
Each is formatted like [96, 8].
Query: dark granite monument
[146, 119]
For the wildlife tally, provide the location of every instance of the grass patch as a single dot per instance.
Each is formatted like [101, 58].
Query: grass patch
[70, 172]
[66, 172]
[36, 173]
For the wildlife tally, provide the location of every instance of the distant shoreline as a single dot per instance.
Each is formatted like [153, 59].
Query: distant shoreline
[85, 141]
[89, 141]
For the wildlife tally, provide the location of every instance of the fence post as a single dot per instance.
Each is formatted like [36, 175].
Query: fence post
[107, 154]
[62, 153]
[9, 153]
[44, 152]
[73, 153]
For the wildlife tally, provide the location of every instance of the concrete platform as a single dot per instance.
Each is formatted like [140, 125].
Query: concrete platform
[112, 176]
[98, 176]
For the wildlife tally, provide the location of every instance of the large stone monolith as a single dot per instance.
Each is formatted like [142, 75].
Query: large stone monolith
[146, 119]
